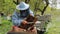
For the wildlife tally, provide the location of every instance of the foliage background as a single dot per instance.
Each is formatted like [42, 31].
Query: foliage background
[8, 7]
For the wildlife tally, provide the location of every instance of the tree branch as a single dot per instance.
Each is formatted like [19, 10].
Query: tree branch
[15, 2]
[27, 1]
[47, 3]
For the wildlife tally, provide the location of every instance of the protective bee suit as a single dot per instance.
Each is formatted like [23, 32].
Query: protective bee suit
[18, 17]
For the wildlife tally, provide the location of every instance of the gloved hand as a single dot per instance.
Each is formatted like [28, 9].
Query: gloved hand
[24, 22]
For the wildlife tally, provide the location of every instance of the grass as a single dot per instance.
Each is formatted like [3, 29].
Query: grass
[55, 24]
[5, 27]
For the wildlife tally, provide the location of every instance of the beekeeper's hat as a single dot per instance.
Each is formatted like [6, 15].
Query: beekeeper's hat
[22, 6]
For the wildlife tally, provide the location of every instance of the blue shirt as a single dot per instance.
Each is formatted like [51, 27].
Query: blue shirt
[17, 20]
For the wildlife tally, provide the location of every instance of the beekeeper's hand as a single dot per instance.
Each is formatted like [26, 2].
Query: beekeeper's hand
[24, 22]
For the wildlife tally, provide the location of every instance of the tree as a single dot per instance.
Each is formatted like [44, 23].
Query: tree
[41, 8]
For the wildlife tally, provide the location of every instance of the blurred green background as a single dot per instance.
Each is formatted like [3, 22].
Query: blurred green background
[8, 7]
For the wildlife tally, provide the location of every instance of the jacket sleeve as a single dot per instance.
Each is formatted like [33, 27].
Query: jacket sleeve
[16, 21]
[31, 12]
